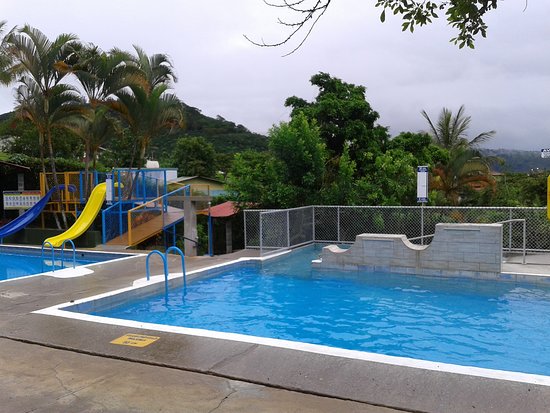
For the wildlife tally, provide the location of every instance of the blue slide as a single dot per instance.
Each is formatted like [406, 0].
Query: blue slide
[32, 213]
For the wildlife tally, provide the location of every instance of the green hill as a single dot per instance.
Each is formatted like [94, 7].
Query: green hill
[226, 136]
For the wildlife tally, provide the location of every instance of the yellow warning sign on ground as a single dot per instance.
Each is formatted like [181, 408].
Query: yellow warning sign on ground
[135, 340]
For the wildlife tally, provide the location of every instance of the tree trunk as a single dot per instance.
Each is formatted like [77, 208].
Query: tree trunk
[54, 173]
[138, 169]
[43, 164]
[87, 170]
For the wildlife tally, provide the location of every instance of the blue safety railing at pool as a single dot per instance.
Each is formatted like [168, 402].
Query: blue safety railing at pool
[114, 220]
[164, 258]
[45, 243]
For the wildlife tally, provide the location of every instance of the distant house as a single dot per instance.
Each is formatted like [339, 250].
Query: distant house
[215, 186]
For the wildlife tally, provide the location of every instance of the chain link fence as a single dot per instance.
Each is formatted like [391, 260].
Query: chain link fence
[272, 230]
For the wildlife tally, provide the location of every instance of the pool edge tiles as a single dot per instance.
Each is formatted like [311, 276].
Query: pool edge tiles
[66, 310]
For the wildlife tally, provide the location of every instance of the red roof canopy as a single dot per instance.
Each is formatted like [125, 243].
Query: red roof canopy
[225, 210]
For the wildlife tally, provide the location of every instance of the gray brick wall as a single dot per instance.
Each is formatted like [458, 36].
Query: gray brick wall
[456, 249]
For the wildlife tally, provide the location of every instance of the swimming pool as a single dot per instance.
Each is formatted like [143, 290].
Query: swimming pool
[16, 262]
[488, 324]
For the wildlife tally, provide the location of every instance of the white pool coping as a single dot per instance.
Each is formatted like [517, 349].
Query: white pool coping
[58, 311]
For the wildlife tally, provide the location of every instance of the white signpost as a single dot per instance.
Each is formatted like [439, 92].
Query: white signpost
[422, 195]
[422, 184]
[545, 153]
[109, 188]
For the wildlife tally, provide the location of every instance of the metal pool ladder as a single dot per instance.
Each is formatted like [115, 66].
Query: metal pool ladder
[62, 253]
[164, 258]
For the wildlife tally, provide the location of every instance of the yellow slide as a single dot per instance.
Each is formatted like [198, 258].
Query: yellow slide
[85, 219]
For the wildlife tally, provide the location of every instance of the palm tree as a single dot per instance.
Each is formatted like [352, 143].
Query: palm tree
[146, 106]
[6, 59]
[157, 69]
[94, 127]
[100, 75]
[466, 167]
[464, 170]
[450, 131]
[42, 97]
[148, 114]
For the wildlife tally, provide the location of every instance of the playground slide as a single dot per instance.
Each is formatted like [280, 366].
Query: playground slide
[32, 213]
[85, 220]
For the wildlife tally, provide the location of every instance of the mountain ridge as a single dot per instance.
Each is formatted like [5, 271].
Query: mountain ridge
[517, 160]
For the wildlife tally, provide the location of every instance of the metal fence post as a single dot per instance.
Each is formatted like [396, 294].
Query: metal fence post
[338, 223]
[510, 232]
[422, 224]
[261, 236]
[288, 228]
[524, 239]
[313, 223]
[245, 238]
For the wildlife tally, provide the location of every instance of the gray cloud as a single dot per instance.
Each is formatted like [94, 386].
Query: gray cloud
[504, 82]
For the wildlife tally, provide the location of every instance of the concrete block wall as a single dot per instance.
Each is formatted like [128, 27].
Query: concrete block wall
[456, 249]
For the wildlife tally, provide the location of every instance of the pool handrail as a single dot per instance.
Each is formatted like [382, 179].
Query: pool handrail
[524, 227]
[180, 252]
[163, 257]
[63, 249]
[42, 255]
[45, 243]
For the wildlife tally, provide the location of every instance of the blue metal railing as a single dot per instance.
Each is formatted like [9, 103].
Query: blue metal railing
[176, 249]
[165, 264]
[164, 258]
[114, 220]
[42, 255]
[45, 243]
[63, 250]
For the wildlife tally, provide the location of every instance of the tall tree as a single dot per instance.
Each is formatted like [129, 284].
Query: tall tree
[449, 131]
[290, 174]
[42, 97]
[303, 156]
[157, 69]
[256, 177]
[345, 119]
[465, 168]
[421, 146]
[101, 75]
[464, 171]
[147, 107]
[342, 113]
[148, 115]
[6, 58]
[194, 156]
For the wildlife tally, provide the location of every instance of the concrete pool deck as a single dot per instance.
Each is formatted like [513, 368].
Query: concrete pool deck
[60, 364]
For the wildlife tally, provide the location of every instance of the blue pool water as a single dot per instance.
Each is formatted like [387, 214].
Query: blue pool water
[18, 262]
[495, 325]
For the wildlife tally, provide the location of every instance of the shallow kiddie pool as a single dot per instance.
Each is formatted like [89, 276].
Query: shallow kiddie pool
[487, 324]
[16, 262]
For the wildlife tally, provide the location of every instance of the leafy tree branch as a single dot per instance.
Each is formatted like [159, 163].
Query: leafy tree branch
[466, 16]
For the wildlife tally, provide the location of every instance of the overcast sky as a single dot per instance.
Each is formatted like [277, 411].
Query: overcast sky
[504, 83]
